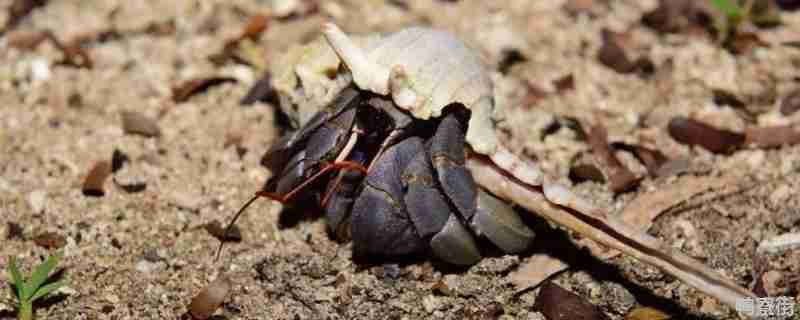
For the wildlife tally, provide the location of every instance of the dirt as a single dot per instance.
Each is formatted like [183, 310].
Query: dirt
[134, 253]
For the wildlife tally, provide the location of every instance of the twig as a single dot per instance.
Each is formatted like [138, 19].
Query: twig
[594, 223]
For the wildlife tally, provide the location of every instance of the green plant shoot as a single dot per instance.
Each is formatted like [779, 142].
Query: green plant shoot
[34, 287]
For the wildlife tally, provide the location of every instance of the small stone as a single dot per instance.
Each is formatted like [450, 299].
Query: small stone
[13, 231]
[430, 303]
[215, 229]
[145, 266]
[790, 103]
[442, 288]
[36, 200]
[391, 271]
[40, 69]
[780, 195]
[618, 298]
[186, 200]
[137, 123]
[210, 298]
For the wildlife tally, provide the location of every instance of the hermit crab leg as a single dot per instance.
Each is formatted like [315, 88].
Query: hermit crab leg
[339, 163]
[598, 226]
[348, 148]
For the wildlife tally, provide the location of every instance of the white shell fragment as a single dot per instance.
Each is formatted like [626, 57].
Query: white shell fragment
[784, 242]
[426, 70]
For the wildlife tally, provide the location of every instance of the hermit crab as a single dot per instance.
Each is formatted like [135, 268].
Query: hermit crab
[396, 142]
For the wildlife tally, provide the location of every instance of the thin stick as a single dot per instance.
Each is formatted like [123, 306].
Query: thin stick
[597, 226]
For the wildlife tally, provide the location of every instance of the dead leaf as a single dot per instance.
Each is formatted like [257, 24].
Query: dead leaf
[693, 132]
[215, 229]
[620, 178]
[534, 95]
[791, 103]
[118, 159]
[585, 171]
[646, 313]
[14, 231]
[774, 136]
[262, 91]
[651, 158]
[642, 211]
[252, 30]
[93, 184]
[20, 9]
[50, 240]
[27, 40]
[510, 57]
[565, 83]
[538, 268]
[611, 53]
[556, 303]
[187, 89]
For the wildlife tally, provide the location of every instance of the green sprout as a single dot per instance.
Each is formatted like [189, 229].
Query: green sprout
[729, 8]
[34, 288]
[733, 15]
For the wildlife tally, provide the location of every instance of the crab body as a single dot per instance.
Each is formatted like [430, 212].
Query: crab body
[416, 197]
[435, 99]
[396, 115]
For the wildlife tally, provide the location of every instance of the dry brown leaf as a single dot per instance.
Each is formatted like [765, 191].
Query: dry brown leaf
[790, 103]
[93, 184]
[189, 88]
[573, 212]
[50, 240]
[773, 136]
[537, 269]
[556, 303]
[643, 210]
[620, 178]
[646, 313]
[693, 132]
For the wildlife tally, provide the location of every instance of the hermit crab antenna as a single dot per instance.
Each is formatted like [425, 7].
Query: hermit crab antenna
[233, 222]
[344, 165]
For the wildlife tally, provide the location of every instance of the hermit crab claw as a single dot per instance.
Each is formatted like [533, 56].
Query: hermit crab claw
[501, 224]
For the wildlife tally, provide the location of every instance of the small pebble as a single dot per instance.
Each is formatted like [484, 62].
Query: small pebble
[118, 159]
[145, 266]
[215, 229]
[40, 69]
[210, 299]
[430, 303]
[137, 123]
[391, 271]
[13, 231]
[36, 200]
[791, 103]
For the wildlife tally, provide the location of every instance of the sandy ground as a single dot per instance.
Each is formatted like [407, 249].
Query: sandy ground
[144, 255]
